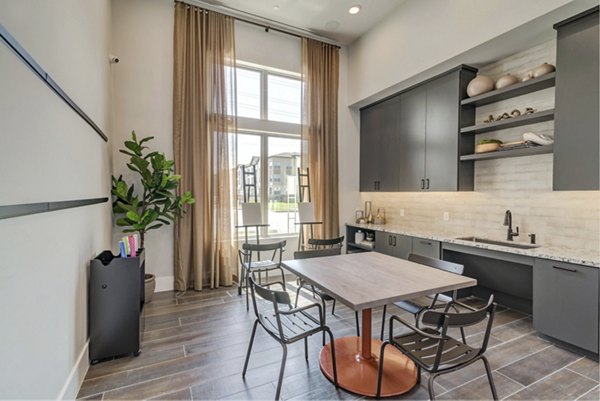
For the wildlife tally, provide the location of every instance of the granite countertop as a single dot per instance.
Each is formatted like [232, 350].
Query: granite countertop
[581, 257]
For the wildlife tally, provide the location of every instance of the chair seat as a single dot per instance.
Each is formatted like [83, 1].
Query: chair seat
[414, 306]
[294, 326]
[424, 350]
[322, 294]
[261, 265]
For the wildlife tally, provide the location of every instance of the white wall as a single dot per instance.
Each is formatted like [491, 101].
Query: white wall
[142, 38]
[420, 35]
[48, 153]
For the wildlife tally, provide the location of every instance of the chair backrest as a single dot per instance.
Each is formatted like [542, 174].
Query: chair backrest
[317, 253]
[447, 320]
[248, 249]
[436, 263]
[326, 242]
[276, 298]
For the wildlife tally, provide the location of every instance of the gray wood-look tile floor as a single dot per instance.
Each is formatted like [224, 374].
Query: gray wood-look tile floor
[194, 346]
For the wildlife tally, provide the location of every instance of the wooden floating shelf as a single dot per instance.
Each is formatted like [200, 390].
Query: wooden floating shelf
[500, 154]
[522, 88]
[527, 119]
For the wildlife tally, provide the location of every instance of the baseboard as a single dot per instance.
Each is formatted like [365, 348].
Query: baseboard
[76, 376]
[166, 283]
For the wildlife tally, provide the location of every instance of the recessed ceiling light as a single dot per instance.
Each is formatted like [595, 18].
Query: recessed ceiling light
[354, 9]
[275, 8]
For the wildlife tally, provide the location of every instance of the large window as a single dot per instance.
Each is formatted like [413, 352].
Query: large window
[269, 114]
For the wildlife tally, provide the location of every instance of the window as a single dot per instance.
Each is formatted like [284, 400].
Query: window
[269, 115]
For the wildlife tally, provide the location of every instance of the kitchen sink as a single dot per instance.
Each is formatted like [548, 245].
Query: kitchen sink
[500, 243]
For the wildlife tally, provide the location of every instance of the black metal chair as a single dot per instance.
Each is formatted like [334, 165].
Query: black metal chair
[286, 325]
[250, 266]
[415, 306]
[435, 351]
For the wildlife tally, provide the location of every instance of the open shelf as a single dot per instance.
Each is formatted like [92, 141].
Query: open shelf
[533, 118]
[355, 245]
[522, 88]
[500, 154]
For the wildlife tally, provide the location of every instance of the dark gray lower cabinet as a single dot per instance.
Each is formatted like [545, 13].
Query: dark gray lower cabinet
[565, 302]
[576, 135]
[426, 247]
[393, 244]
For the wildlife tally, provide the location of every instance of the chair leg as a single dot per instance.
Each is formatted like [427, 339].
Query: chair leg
[380, 369]
[357, 325]
[418, 375]
[333, 307]
[249, 348]
[333, 360]
[383, 322]
[247, 297]
[282, 278]
[432, 377]
[490, 377]
[306, 348]
[324, 305]
[281, 370]
[297, 295]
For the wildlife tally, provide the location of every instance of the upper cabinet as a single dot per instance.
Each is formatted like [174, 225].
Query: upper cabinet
[576, 129]
[379, 146]
[411, 141]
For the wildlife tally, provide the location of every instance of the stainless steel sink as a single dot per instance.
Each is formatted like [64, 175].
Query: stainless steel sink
[500, 243]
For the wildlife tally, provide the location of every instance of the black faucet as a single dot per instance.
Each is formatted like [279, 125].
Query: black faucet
[508, 222]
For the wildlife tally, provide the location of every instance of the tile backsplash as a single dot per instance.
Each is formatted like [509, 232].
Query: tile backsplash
[522, 184]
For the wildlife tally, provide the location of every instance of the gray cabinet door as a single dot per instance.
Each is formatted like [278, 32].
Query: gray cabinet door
[402, 246]
[576, 129]
[426, 247]
[565, 302]
[411, 150]
[379, 144]
[384, 243]
[441, 134]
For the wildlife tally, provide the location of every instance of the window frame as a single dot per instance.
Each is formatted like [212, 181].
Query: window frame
[266, 129]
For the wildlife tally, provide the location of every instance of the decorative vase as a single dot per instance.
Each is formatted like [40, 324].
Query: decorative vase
[149, 287]
[480, 84]
[543, 70]
[506, 80]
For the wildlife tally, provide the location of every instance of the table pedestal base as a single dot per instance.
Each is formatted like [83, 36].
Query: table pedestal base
[359, 375]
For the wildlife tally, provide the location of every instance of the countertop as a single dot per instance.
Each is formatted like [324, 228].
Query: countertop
[581, 257]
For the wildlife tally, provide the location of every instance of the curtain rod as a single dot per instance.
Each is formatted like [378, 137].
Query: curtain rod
[276, 27]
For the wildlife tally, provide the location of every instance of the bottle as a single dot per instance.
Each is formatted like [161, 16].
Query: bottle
[359, 236]
[378, 218]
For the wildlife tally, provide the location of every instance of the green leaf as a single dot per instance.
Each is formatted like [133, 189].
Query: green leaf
[133, 216]
[146, 139]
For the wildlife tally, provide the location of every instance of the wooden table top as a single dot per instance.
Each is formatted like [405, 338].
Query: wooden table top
[370, 279]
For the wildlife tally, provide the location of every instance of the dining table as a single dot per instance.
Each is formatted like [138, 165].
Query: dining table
[363, 281]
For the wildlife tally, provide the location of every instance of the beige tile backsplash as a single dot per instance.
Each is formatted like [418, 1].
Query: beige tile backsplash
[522, 184]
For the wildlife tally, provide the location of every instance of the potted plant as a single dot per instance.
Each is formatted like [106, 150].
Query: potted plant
[157, 203]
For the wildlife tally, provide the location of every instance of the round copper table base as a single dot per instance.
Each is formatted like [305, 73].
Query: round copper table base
[359, 375]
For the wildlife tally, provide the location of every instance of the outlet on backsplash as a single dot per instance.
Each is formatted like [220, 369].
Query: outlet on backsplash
[446, 216]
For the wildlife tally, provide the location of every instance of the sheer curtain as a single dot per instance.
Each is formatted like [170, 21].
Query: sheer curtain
[320, 71]
[204, 146]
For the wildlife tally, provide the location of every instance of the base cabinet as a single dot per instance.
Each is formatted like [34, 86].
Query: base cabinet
[426, 247]
[565, 302]
[116, 300]
[396, 245]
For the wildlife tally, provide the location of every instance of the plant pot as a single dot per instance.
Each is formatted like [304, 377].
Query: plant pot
[149, 287]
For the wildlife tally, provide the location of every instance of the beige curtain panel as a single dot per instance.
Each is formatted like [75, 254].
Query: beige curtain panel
[204, 146]
[320, 72]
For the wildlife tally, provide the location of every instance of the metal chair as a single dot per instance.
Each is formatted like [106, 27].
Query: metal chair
[286, 324]
[435, 351]
[248, 266]
[320, 248]
[414, 306]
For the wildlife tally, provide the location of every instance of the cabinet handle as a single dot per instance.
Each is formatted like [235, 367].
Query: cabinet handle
[427, 183]
[565, 269]
[425, 242]
[422, 184]
[389, 240]
[394, 240]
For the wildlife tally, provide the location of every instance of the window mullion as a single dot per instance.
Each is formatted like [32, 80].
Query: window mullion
[264, 96]
[264, 181]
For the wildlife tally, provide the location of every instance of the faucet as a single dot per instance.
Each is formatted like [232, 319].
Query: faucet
[508, 222]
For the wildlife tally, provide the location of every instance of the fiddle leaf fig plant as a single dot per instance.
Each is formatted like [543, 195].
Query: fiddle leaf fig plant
[157, 204]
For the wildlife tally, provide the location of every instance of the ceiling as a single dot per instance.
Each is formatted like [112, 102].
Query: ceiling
[326, 18]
